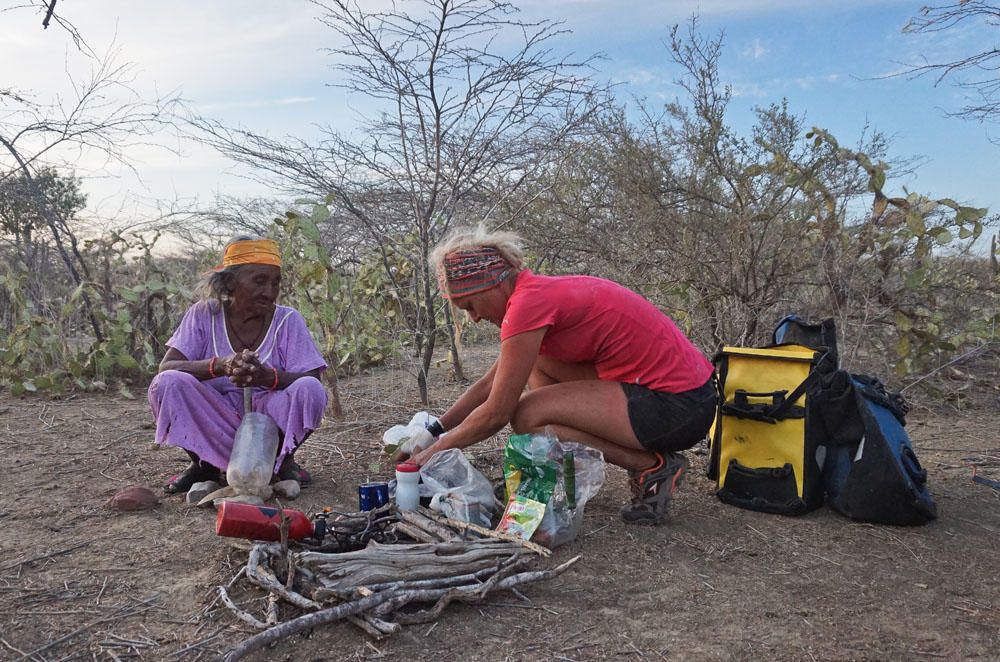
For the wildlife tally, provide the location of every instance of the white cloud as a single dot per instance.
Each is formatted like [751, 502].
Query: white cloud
[209, 108]
[748, 90]
[756, 50]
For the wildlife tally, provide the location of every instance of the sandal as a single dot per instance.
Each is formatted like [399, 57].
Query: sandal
[195, 473]
[290, 470]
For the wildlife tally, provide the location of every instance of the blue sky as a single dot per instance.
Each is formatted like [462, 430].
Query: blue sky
[258, 63]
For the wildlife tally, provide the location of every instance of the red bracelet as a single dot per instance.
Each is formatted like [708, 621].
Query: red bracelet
[275, 384]
[211, 368]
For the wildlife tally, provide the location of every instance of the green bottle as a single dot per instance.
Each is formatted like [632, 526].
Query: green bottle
[569, 478]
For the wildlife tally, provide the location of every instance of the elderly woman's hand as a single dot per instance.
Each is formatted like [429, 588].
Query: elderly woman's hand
[245, 369]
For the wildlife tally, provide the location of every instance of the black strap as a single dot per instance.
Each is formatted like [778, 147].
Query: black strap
[783, 408]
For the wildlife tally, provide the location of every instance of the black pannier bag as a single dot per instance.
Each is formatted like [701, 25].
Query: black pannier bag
[792, 329]
[870, 472]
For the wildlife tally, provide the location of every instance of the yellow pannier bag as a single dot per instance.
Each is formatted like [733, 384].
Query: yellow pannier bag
[764, 455]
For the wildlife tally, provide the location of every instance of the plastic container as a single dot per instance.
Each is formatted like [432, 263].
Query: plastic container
[243, 520]
[407, 490]
[255, 447]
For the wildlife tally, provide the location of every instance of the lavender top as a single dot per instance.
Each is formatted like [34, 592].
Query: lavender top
[287, 345]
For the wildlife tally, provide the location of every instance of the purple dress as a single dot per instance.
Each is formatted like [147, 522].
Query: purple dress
[202, 416]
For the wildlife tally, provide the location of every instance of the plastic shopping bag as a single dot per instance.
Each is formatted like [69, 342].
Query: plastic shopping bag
[457, 489]
[398, 435]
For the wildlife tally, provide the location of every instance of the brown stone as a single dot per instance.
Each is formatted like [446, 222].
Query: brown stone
[134, 498]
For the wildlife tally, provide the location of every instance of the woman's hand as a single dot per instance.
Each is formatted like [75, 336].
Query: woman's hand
[245, 369]
[420, 458]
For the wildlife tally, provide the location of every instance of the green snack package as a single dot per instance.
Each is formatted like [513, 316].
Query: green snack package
[527, 469]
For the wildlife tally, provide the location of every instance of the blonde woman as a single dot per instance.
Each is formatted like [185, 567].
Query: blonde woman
[602, 365]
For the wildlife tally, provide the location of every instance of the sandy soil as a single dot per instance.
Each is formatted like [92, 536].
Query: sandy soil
[78, 580]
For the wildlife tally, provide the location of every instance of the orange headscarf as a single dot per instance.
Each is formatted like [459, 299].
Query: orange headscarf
[251, 251]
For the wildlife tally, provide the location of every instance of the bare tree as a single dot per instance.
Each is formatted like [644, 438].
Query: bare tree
[976, 73]
[104, 115]
[470, 103]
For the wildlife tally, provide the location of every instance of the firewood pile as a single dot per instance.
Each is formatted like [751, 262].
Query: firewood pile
[380, 570]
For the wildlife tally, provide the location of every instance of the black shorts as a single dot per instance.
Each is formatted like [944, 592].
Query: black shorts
[665, 422]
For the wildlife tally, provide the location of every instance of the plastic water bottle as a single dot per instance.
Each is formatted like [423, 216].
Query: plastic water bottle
[407, 490]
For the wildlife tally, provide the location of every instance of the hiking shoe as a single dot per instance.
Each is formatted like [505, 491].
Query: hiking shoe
[653, 488]
[197, 472]
[290, 470]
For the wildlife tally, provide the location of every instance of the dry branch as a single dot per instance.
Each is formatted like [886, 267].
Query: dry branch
[397, 600]
[466, 527]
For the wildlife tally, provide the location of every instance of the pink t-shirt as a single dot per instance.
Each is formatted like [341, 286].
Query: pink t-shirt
[593, 320]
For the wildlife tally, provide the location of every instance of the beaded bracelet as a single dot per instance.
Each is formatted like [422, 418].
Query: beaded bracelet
[275, 384]
[211, 368]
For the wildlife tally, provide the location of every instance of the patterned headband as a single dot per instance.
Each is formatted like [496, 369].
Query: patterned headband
[466, 272]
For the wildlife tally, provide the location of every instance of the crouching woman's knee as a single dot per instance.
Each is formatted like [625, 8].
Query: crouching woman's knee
[310, 394]
[170, 381]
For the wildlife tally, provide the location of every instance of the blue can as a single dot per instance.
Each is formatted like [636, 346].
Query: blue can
[373, 495]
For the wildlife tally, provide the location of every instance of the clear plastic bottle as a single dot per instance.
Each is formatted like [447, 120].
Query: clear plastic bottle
[255, 448]
[407, 486]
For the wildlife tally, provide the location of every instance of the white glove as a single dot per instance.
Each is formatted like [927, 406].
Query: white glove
[416, 443]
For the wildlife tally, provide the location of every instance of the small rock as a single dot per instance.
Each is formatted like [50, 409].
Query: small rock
[134, 498]
[199, 491]
[288, 489]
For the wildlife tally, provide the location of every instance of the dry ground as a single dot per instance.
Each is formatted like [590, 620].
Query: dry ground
[716, 583]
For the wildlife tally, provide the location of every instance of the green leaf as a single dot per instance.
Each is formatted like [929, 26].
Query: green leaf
[127, 362]
[903, 347]
[876, 181]
[320, 213]
[941, 235]
[17, 389]
[970, 214]
[916, 224]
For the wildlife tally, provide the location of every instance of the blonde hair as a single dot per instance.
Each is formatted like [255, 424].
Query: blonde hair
[508, 244]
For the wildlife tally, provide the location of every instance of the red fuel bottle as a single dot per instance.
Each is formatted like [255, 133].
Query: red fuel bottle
[243, 520]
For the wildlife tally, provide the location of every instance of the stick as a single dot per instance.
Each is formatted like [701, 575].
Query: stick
[488, 533]
[436, 582]
[427, 524]
[197, 644]
[120, 614]
[397, 600]
[501, 581]
[303, 623]
[240, 614]
[413, 532]
[45, 556]
[265, 579]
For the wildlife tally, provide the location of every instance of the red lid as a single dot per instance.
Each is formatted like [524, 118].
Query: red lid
[408, 467]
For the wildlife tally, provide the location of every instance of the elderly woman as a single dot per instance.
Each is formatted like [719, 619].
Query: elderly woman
[238, 337]
[603, 367]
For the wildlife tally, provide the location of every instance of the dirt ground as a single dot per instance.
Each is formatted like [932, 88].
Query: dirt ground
[79, 581]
